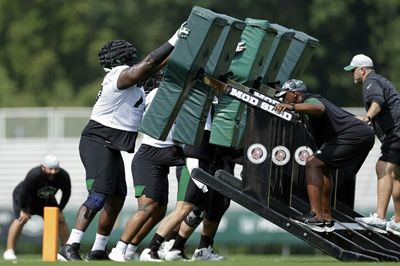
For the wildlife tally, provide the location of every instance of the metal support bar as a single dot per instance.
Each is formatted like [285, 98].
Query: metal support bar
[280, 220]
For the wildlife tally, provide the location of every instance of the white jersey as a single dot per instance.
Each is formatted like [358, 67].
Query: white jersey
[119, 109]
[155, 142]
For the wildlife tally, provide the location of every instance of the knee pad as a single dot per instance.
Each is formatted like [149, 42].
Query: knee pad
[93, 204]
[195, 217]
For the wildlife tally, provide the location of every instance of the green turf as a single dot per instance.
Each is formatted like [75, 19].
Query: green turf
[240, 260]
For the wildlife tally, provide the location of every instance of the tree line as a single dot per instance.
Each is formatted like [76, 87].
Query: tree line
[48, 49]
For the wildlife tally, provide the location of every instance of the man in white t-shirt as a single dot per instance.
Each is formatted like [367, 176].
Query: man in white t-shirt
[112, 128]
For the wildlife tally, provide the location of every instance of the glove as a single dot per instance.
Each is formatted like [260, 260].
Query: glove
[182, 32]
[241, 46]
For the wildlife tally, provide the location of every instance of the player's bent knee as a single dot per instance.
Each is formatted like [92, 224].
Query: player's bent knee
[94, 203]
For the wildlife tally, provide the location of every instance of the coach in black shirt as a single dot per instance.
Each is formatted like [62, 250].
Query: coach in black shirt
[382, 104]
[342, 141]
[35, 192]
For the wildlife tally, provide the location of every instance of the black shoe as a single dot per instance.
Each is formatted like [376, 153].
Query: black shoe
[69, 252]
[329, 226]
[96, 255]
[311, 222]
[154, 255]
[180, 254]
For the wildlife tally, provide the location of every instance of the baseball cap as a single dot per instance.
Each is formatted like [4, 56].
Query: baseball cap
[291, 85]
[360, 60]
[51, 161]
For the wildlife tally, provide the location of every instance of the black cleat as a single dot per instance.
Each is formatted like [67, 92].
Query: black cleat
[96, 255]
[311, 222]
[69, 252]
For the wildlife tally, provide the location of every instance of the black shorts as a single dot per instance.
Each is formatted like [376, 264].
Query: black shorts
[188, 191]
[105, 171]
[37, 209]
[150, 169]
[212, 202]
[204, 151]
[390, 150]
[216, 206]
[347, 157]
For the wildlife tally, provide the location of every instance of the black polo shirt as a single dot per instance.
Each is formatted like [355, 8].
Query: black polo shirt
[336, 125]
[377, 88]
[37, 190]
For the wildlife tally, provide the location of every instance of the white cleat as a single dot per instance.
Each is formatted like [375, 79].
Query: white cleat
[147, 255]
[206, 254]
[116, 255]
[393, 227]
[131, 256]
[373, 222]
[165, 247]
[175, 255]
[9, 255]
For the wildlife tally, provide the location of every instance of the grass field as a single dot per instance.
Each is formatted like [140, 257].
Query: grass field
[240, 260]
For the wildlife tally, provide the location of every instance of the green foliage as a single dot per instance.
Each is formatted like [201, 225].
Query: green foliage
[346, 28]
[48, 49]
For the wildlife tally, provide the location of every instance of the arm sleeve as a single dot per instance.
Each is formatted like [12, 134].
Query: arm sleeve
[161, 53]
[66, 191]
[374, 93]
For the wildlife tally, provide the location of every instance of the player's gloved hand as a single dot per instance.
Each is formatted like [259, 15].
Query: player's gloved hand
[182, 33]
[241, 46]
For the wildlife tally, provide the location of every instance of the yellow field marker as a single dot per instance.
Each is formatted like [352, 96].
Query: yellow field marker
[50, 234]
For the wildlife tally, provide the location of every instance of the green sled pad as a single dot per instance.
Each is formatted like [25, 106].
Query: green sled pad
[277, 53]
[245, 69]
[189, 56]
[298, 56]
[259, 37]
[190, 122]
[225, 127]
[242, 128]
[309, 50]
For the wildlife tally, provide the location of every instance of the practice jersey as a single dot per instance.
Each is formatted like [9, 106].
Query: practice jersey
[155, 142]
[36, 189]
[119, 109]
[117, 114]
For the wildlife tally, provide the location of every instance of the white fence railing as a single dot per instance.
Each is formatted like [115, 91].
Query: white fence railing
[27, 134]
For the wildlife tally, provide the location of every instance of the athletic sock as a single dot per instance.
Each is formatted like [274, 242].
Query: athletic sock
[75, 236]
[156, 242]
[100, 242]
[180, 242]
[205, 241]
[121, 246]
[131, 248]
